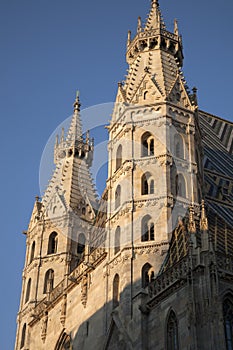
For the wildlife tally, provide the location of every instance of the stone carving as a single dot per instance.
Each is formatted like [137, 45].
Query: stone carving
[44, 327]
[84, 286]
[63, 310]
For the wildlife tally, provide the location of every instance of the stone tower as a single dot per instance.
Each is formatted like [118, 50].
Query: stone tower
[149, 265]
[58, 232]
[154, 172]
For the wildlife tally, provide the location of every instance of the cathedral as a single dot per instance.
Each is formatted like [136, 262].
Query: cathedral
[148, 265]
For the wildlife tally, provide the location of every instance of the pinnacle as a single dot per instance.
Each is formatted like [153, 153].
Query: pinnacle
[77, 103]
[155, 19]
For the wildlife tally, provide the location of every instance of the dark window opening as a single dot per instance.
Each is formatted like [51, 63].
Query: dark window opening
[172, 332]
[52, 245]
[32, 252]
[23, 336]
[117, 240]
[116, 297]
[28, 290]
[49, 281]
[228, 323]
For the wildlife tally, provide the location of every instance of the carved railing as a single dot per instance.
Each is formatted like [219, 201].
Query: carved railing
[174, 274]
[94, 259]
[39, 308]
[97, 255]
[56, 292]
[151, 33]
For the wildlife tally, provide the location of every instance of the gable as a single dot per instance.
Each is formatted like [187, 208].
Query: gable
[115, 341]
[147, 92]
[178, 94]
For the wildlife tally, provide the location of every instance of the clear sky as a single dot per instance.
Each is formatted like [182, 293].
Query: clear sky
[49, 49]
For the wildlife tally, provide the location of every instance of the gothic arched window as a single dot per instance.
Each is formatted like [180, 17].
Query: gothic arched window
[118, 157]
[118, 197]
[64, 342]
[23, 336]
[178, 146]
[147, 229]
[81, 245]
[52, 245]
[147, 184]
[180, 186]
[117, 240]
[49, 281]
[147, 142]
[228, 323]
[172, 332]
[115, 295]
[28, 290]
[147, 275]
[32, 254]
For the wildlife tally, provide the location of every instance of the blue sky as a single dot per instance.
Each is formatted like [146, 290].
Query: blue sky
[49, 49]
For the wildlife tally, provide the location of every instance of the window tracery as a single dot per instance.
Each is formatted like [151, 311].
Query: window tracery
[147, 142]
[148, 229]
[172, 332]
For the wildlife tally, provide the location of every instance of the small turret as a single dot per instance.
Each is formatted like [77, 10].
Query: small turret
[75, 143]
[154, 36]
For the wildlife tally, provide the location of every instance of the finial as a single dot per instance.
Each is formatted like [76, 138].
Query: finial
[194, 96]
[77, 103]
[37, 199]
[57, 141]
[204, 220]
[129, 38]
[62, 134]
[191, 224]
[176, 30]
[155, 3]
[139, 29]
[87, 136]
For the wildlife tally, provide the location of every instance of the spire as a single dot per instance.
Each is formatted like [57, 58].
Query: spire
[75, 130]
[73, 155]
[155, 20]
[77, 103]
[155, 54]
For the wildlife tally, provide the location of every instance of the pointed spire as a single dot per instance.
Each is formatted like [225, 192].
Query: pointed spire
[204, 220]
[155, 20]
[176, 30]
[77, 103]
[75, 130]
